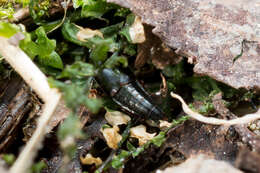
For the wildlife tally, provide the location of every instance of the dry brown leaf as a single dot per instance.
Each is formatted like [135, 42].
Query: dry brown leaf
[212, 32]
[89, 160]
[112, 136]
[86, 33]
[116, 118]
[140, 133]
[136, 31]
[164, 124]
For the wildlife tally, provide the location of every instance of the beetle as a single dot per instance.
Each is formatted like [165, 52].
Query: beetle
[128, 93]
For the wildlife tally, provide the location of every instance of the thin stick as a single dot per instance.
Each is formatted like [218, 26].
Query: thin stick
[26, 68]
[65, 6]
[245, 119]
[38, 81]
[25, 158]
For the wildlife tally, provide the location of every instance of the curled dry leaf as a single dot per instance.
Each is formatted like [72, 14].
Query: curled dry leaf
[164, 124]
[116, 118]
[89, 160]
[86, 33]
[202, 164]
[140, 133]
[136, 31]
[112, 136]
[245, 119]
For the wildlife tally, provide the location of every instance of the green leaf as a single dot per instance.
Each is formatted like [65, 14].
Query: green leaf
[176, 72]
[130, 49]
[37, 167]
[43, 48]
[92, 8]
[112, 30]
[8, 29]
[49, 26]
[118, 160]
[39, 9]
[76, 94]
[46, 46]
[8, 158]
[125, 31]
[159, 139]
[202, 87]
[70, 31]
[78, 70]
[28, 46]
[93, 104]
[96, 8]
[77, 3]
[130, 147]
[116, 60]
[52, 60]
[6, 11]
[137, 151]
[70, 127]
[73, 93]
[122, 12]
[99, 54]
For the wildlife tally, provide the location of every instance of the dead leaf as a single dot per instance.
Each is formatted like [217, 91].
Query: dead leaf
[112, 136]
[164, 124]
[214, 32]
[116, 118]
[89, 160]
[248, 160]
[140, 133]
[86, 33]
[136, 31]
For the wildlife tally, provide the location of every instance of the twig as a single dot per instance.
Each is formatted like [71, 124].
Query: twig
[65, 6]
[246, 135]
[38, 81]
[164, 88]
[245, 119]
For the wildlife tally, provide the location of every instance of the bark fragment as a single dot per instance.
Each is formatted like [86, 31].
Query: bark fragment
[248, 161]
[213, 33]
[15, 104]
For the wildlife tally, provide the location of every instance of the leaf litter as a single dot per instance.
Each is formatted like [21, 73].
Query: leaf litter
[76, 50]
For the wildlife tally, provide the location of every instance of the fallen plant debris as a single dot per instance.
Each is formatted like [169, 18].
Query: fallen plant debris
[246, 119]
[86, 86]
[221, 37]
